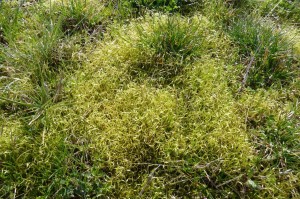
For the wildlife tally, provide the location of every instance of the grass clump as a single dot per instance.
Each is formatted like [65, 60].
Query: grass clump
[166, 5]
[183, 6]
[172, 38]
[79, 15]
[165, 45]
[10, 23]
[43, 57]
[272, 53]
[283, 10]
[140, 6]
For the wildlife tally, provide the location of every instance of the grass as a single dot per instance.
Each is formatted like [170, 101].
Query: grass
[99, 102]
[165, 45]
[283, 11]
[81, 16]
[272, 52]
[139, 6]
[275, 137]
[9, 22]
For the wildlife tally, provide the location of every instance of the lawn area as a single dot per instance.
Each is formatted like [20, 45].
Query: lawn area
[150, 99]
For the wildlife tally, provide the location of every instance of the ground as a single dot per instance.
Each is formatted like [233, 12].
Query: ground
[149, 99]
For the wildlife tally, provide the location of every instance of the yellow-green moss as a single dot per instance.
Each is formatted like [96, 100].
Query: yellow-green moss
[132, 125]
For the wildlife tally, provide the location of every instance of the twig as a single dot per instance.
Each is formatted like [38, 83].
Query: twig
[246, 74]
[2, 130]
[208, 177]
[273, 8]
[164, 164]
[199, 166]
[228, 181]
[149, 180]
[36, 117]
[59, 89]
[15, 192]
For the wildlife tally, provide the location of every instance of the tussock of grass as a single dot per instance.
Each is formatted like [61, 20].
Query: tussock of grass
[81, 16]
[271, 51]
[138, 7]
[9, 22]
[170, 42]
[49, 52]
[159, 48]
[283, 11]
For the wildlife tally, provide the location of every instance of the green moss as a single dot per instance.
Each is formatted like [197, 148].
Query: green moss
[136, 125]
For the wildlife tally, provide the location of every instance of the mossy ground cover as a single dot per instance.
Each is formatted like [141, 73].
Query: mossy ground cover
[149, 99]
